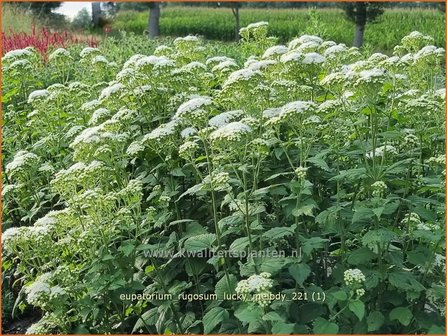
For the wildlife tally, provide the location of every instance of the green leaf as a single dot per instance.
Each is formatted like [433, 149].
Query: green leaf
[405, 281]
[362, 215]
[178, 172]
[127, 248]
[214, 317]
[375, 320]
[239, 244]
[320, 163]
[313, 243]
[191, 190]
[272, 316]
[200, 242]
[305, 208]
[81, 329]
[323, 326]
[248, 312]
[360, 256]
[402, 314]
[281, 328]
[340, 295]
[299, 272]
[279, 232]
[358, 308]
[225, 286]
[148, 318]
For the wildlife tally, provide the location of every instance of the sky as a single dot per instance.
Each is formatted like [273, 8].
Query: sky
[70, 9]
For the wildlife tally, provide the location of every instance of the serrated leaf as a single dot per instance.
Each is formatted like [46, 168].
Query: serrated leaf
[225, 286]
[300, 272]
[213, 318]
[240, 244]
[279, 232]
[360, 256]
[200, 242]
[248, 313]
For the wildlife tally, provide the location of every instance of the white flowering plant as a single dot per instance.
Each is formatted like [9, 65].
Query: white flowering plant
[140, 178]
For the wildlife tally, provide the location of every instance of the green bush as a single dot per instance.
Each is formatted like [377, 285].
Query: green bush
[305, 181]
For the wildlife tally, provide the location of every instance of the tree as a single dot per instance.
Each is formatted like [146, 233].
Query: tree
[235, 6]
[153, 25]
[235, 9]
[82, 20]
[39, 8]
[360, 13]
[96, 13]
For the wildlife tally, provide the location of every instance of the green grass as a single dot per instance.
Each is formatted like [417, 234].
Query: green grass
[17, 20]
[218, 24]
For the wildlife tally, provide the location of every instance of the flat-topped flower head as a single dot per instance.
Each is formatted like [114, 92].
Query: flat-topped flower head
[275, 51]
[305, 39]
[313, 58]
[112, 90]
[194, 109]
[15, 55]
[89, 52]
[234, 131]
[148, 63]
[241, 76]
[297, 109]
[22, 160]
[335, 51]
[224, 118]
[225, 66]
[59, 54]
[38, 96]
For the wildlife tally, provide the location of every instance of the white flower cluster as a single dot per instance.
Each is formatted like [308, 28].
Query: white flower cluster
[188, 149]
[256, 288]
[217, 182]
[224, 118]
[291, 110]
[440, 160]
[22, 160]
[241, 76]
[60, 54]
[353, 277]
[18, 54]
[233, 131]
[194, 109]
[411, 140]
[301, 172]
[38, 96]
[275, 51]
[11, 236]
[380, 151]
[378, 188]
[162, 132]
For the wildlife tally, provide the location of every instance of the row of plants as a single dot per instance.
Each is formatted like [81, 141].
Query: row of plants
[330, 24]
[113, 183]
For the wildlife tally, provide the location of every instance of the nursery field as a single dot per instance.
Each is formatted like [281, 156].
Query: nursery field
[330, 24]
[193, 187]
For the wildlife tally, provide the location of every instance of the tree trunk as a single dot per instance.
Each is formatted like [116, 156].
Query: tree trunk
[153, 26]
[235, 11]
[96, 13]
[358, 38]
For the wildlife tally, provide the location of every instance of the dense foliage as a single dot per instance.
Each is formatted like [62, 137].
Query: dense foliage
[331, 24]
[140, 178]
